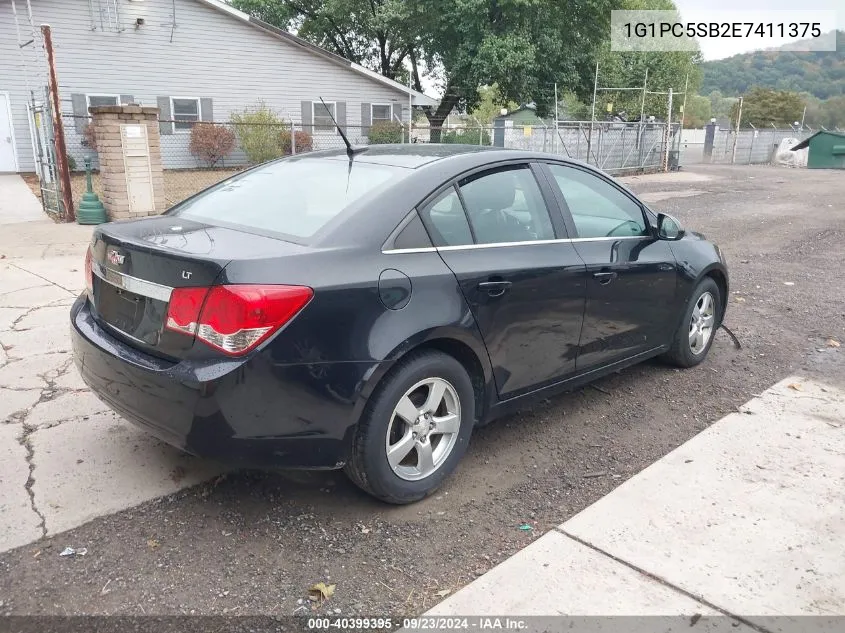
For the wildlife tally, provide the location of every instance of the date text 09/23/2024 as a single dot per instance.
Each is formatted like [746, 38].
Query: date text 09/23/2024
[421, 623]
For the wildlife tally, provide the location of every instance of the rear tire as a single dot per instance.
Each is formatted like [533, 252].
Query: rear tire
[414, 430]
[698, 326]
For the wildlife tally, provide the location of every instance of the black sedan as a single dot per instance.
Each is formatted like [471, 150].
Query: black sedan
[367, 311]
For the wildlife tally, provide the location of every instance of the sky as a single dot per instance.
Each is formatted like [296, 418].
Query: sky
[756, 10]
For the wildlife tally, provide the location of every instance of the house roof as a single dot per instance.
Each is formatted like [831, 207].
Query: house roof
[417, 98]
[806, 141]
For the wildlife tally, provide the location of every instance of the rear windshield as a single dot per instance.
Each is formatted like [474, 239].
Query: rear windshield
[290, 198]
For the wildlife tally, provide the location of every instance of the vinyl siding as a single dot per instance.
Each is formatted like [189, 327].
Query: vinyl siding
[208, 54]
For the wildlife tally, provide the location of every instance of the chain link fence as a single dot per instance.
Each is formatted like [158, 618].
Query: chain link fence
[198, 155]
[753, 147]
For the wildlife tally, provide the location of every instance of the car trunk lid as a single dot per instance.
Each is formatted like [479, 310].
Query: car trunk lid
[136, 266]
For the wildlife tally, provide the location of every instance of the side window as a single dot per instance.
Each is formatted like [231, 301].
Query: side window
[598, 208]
[506, 205]
[446, 220]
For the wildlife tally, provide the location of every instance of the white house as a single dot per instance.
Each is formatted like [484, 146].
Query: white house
[197, 60]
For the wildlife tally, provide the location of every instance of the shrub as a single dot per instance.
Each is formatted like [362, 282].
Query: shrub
[468, 136]
[211, 143]
[304, 142]
[89, 139]
[385, 132]
[71, 163]
[257, 129]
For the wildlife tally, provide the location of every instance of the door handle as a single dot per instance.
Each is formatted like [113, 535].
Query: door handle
[605, 277]
[495, 288]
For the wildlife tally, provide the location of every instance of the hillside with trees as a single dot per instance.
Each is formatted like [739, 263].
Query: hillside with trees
[821, 74]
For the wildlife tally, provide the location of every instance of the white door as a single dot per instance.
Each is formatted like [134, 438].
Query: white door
[7, 136]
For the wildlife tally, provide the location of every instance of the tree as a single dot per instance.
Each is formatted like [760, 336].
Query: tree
[523, 46]
[698, 111]
[490, 104]
[720, 106]
[374, 33]
[763, 106]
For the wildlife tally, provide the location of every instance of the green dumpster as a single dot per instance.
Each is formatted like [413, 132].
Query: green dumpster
[827, 150]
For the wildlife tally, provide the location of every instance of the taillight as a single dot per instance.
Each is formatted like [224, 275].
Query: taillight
[234, 319]
[89, 273]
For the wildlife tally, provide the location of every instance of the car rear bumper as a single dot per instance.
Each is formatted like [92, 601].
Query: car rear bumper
[250, 412]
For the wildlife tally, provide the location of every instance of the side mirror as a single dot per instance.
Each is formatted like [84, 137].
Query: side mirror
[668, 228]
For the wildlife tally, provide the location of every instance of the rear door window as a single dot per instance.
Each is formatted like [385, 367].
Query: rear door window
[506, 205]
[446, 220]
[291, 198]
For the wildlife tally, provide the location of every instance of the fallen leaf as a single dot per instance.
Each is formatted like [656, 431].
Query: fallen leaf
[795, 386]
[443, 593]
[152, 543]
[740, 299]
[833, 343]
[321, 591]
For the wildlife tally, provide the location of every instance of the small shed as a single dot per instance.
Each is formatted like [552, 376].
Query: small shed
[827, 150]
[524, 115]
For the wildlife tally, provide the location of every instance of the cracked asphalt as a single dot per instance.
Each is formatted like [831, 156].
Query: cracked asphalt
[170, 534]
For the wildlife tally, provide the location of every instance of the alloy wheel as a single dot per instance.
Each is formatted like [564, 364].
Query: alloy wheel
[701, 323]
[423, 429]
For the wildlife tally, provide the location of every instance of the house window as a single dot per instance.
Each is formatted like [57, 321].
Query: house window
[186, 112]
[381, 112]
[323, 115]
[102, 100]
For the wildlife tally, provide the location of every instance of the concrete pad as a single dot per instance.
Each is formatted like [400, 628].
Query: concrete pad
[67, 272]
[70, 380]
[40, 340]
[19, 523]
[45, 239]
[48, 316]
[17, 202]
[68, 406]
[559, 576]
[13, 278]
[34, 297]
[26, 373]
[749, 515]
[13, 401]
[89, 468]
[8, 316]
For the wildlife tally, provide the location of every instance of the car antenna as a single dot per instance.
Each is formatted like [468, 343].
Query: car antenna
[350, 151]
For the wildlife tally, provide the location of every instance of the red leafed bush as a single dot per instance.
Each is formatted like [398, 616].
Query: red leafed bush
[304, 142]
[211, 143]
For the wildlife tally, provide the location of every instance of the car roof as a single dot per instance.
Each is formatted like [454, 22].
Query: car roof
[415, 155]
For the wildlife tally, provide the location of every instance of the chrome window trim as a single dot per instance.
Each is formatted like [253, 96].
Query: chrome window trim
[461, 247]
[132, 284]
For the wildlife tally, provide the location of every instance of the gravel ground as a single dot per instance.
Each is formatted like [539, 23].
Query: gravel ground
[253, 543]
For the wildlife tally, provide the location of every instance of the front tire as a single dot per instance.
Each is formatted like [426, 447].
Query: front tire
[414, 430]
[698, 327]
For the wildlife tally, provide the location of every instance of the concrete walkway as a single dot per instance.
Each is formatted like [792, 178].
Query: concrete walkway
[65, 458]
[747, 519]
[17, 202]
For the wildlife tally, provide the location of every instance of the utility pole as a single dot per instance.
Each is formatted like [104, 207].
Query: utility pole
[58, 126]
[593, 113]
[554, 139]
[667, 135]
[645, 87]
[803, 114]
[736, 131]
